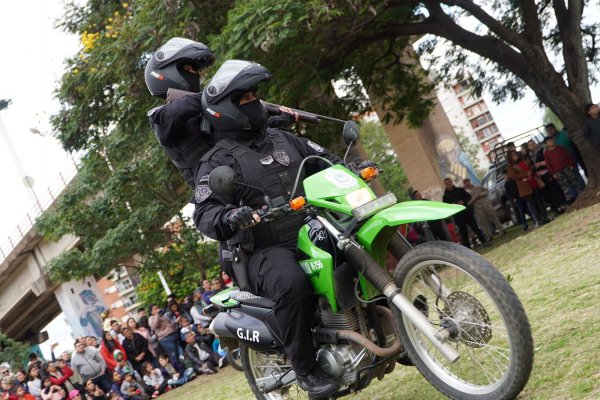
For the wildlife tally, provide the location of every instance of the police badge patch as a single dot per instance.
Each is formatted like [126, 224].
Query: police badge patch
[281, 157]
[267, 160]
[202, 191]
[315, 146]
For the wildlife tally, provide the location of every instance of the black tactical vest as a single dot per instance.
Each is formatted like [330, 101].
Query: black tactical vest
[275, 174]
[188, 152]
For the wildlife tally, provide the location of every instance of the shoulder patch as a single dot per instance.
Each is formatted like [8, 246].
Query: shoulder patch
[202, 191]
[152, 111]
[315, 146]
[281, 157]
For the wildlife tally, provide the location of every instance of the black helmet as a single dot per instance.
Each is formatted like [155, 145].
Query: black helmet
[165, 70]
[220, 97]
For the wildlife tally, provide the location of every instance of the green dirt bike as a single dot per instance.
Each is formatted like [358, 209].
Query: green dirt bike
[446, 310]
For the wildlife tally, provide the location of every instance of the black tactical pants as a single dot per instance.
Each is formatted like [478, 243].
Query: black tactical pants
[275, 273]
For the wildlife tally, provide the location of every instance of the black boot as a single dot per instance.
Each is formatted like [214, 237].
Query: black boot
[317, 383]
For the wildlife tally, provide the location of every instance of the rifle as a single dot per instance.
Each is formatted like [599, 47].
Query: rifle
[272, 109]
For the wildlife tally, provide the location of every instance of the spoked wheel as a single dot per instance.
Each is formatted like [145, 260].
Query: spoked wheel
[474, 307]
[234, 358]
[261, 368]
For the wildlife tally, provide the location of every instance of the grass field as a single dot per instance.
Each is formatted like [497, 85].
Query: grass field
[555, 270]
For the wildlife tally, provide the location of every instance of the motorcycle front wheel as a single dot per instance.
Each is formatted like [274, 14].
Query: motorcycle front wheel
[473, 305]
[261, 367]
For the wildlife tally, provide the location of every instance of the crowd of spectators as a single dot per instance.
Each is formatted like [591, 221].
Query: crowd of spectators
[537, 176]
[138, 359]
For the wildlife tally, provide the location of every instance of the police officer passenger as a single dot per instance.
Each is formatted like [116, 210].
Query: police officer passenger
[268, 159]
[180, 64]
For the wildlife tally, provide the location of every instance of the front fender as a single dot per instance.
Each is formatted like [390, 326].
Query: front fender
[404, 213]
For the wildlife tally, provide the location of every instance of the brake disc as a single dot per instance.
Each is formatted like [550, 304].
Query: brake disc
[471, 318]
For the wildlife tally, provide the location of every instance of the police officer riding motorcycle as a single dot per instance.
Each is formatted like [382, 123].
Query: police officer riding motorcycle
[261, 257]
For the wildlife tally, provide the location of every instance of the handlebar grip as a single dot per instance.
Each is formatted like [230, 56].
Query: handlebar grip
[303, 116]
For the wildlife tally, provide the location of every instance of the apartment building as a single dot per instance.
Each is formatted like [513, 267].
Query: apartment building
[471, 118]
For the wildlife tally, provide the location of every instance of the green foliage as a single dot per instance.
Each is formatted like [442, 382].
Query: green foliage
[182, 271]
[13, 352]
[379, 149]
[308, 45]
[126, 189]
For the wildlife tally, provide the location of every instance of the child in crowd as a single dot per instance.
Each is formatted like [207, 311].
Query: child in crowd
[133, 388]
[117, 380]
[154, 378]
[34, 384]
[22, 394]
[124, 365]
[175, 376]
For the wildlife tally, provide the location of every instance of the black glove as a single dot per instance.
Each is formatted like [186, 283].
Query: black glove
[282, 120]
[240, 217]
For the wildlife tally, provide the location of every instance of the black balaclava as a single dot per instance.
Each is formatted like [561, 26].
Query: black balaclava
[257, 115]
[192, 79]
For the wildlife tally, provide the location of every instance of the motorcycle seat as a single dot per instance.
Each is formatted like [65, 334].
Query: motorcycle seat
[252, 299]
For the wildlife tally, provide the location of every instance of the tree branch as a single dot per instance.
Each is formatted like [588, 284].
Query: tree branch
[492, 48]
[493, 24]
[533, 28]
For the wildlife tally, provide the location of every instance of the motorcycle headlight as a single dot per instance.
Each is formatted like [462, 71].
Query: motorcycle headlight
[374, 206]
[359, 197]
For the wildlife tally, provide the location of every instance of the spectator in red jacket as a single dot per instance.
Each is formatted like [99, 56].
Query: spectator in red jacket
[562, 168]
[107, 349]
[59, 374]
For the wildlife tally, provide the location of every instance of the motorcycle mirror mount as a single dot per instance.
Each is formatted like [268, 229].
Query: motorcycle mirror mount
[222, 181]
[350, 133]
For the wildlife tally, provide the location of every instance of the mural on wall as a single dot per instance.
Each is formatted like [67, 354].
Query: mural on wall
[89, 316]
[81, 305]
[454, 163]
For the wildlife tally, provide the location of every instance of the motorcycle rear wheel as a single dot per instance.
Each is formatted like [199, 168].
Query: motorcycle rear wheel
[259, 365]
[488, 323]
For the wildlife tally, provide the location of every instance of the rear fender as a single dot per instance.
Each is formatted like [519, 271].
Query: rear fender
[402, 213]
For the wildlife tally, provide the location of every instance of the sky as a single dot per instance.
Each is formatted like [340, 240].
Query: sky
[32, 63]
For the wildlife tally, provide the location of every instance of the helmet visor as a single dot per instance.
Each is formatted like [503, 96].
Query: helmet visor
[229, 70]
[169, 49]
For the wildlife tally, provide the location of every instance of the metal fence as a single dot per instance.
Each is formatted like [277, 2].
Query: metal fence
[44, 200]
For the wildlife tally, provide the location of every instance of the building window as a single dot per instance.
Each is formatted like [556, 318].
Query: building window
[130, 300]
[110, 289]
[125, 284]
[116, 304]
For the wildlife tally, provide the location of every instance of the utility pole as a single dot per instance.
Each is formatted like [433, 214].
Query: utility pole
[27, 180]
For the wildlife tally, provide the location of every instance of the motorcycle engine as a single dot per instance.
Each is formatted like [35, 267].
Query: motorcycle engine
[342, 361]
